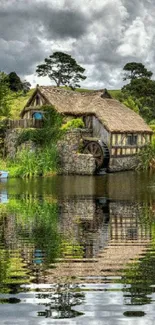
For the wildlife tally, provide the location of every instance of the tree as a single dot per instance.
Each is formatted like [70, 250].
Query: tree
[141, 89]
[134, 70]
[26, 86]
[14, 82]
[63, 69]
[4, 96]
[130, 102]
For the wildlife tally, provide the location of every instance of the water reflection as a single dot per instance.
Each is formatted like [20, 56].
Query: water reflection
[78, 255]
[60, 303]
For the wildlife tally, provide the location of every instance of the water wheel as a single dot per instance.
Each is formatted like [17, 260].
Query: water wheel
[94, 148]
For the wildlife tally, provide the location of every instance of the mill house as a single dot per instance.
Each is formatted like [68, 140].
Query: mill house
[117, 132]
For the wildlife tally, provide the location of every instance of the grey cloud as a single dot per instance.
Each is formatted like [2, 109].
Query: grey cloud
[23, 27]
[22, 60]
[18, 22]
[103, 37]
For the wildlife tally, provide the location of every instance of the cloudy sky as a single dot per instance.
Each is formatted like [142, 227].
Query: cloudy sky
[102, 35]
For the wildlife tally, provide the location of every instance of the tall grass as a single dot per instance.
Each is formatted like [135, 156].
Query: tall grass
[147, 156]
[42, 158]
[42, 161]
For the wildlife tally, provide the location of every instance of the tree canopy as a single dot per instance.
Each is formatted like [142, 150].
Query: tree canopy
[140, 91]
[134, 70]
[4, 96]
[14, 82]
[62, 69]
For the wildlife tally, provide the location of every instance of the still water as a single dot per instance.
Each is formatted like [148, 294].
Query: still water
[78, 250]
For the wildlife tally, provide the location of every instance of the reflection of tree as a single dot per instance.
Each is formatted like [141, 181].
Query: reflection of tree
[62, 301]
[27, 228]
[12, 272]
[140, 277]
[37, 225]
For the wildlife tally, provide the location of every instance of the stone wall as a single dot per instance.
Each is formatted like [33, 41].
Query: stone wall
[10, 142]
[71, 161]
[123, 163]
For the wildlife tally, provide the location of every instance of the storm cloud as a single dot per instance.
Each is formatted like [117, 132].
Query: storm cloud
[101, 36]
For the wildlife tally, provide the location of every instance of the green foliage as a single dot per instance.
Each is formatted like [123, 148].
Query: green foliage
[43, 161]
[62, 69]
[129, 102]
[4, 96]
[26, 87]
[73, 124]
[134, 70]
[115, 93]
[140, 88]
[43, 158]
[50, 132]
[14, 82]
[152, 125]
[18, 101]
[147, 155]
[36, 226]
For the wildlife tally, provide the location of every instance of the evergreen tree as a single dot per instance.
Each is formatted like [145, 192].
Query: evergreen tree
[14, 81]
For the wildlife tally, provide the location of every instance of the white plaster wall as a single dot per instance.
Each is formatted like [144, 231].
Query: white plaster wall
[100, 132]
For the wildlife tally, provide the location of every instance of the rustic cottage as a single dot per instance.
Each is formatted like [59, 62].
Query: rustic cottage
[117, 132]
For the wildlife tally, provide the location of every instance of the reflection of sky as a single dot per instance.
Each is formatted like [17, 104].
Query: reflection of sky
[3, 197]
[100, 307]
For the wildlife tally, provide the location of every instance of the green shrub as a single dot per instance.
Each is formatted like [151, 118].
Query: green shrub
[50, 132]
[152, 126]
[146, 156]
[34, 163]
[73, 124]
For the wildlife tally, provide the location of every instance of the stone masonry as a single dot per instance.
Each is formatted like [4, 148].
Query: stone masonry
[71, 160]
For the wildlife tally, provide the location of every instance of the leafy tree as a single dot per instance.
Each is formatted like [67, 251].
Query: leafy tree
[131, 103]
[63, 69]
[134, 70]
[26, 86]
[4, 96]
[14, 82]
[141, 89]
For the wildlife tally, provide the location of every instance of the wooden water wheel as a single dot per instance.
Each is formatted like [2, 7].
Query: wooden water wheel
[94, 148]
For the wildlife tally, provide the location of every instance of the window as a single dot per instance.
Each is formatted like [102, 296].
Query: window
[132, 140]
[38, 116]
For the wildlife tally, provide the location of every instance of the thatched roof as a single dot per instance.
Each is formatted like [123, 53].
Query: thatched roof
[115, 116]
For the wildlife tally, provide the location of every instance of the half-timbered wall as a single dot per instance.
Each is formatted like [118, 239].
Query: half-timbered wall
[126, 144]
[36, 102]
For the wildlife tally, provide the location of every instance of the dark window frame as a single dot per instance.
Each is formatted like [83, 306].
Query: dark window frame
[132, 139]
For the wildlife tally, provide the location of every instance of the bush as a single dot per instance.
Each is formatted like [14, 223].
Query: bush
[146, 156]
[73, 124]
[34, 163]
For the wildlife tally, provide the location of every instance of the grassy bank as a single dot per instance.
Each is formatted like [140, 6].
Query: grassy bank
[36, 148]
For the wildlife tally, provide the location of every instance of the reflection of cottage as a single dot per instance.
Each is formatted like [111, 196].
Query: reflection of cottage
[116, 131]
[112, 233]
[84, 221]
[127, 225]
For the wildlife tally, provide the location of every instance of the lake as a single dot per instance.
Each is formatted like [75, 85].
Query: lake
[78, 250]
